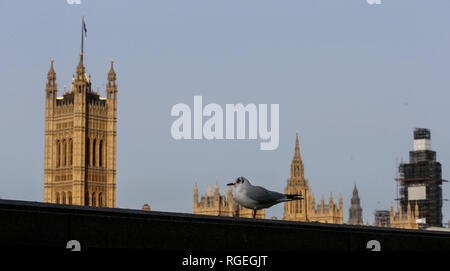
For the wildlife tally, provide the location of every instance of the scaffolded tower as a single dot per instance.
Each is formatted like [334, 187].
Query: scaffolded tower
[420, 180]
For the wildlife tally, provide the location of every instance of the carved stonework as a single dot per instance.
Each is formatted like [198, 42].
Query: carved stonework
[80, 142]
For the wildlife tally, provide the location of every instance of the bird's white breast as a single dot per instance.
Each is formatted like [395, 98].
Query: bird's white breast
[243, 200]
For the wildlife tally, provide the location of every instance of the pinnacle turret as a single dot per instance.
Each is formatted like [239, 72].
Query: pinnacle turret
[112, 73]
[80, 68]
[297, 163]
[51, 77]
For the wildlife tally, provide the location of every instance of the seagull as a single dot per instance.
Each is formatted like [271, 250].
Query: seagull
[257, 197]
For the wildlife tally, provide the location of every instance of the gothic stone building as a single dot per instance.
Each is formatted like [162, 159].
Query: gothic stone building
[404, 220]
[306, 210]
[221, 205]
[80, 142]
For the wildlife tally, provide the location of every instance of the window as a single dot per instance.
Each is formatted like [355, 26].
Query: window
[63, 198]
[88, 151]
[94, 143]
[57, 198]
[58, 153]
[100, 153]
[64, 152]
[70, 152]
[69, 196]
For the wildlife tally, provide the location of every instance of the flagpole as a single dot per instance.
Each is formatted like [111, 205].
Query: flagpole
[82, 38]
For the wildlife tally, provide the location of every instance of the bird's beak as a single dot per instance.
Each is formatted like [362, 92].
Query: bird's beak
[230, 183]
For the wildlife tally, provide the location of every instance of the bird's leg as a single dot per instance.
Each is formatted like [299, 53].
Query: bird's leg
[254, 213]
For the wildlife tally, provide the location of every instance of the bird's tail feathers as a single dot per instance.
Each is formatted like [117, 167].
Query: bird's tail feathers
[294, 196]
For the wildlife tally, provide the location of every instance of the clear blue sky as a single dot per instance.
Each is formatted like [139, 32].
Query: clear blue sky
[353, 79]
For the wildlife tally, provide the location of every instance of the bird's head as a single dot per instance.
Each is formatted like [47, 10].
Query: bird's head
[240, 181]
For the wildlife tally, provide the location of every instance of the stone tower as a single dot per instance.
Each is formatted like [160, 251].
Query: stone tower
[297, 184]
[306, 209]
[80, 142]
[355, 211]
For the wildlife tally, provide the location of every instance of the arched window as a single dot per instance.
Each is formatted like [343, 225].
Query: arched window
[88, 151]
[69, 196]
[57, 198]
[58, 153]
[86, 199]
[64, 152]
[100, 199]
[100, 153]
[63, 195]
[93, 199]
[94, 143]
[70, 152]
[296, 172]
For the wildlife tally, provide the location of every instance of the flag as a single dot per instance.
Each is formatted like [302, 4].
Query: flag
[84, 28]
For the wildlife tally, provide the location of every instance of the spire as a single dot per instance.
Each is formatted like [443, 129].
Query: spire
[80, 68]
[111, 87]
[51, 88]
[297, 170]
[112, 73]
[416, 211]
[51, 73]
[216, 190]
[209, 191]
[51, 77]
[297, 149]
[355, 191]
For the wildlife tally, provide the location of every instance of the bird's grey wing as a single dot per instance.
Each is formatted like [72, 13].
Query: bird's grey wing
[262, 195]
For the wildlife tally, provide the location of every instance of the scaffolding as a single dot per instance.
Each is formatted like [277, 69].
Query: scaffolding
[426, 175]
[420, 181]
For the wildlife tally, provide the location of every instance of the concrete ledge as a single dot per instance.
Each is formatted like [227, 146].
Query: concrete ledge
[32, 224]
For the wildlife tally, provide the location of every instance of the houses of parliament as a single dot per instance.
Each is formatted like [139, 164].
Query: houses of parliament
[302, 210]
[80, 160]
[299, 210]
[80, 141]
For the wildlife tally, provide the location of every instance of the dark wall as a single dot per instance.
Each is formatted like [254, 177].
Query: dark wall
[31, 224]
